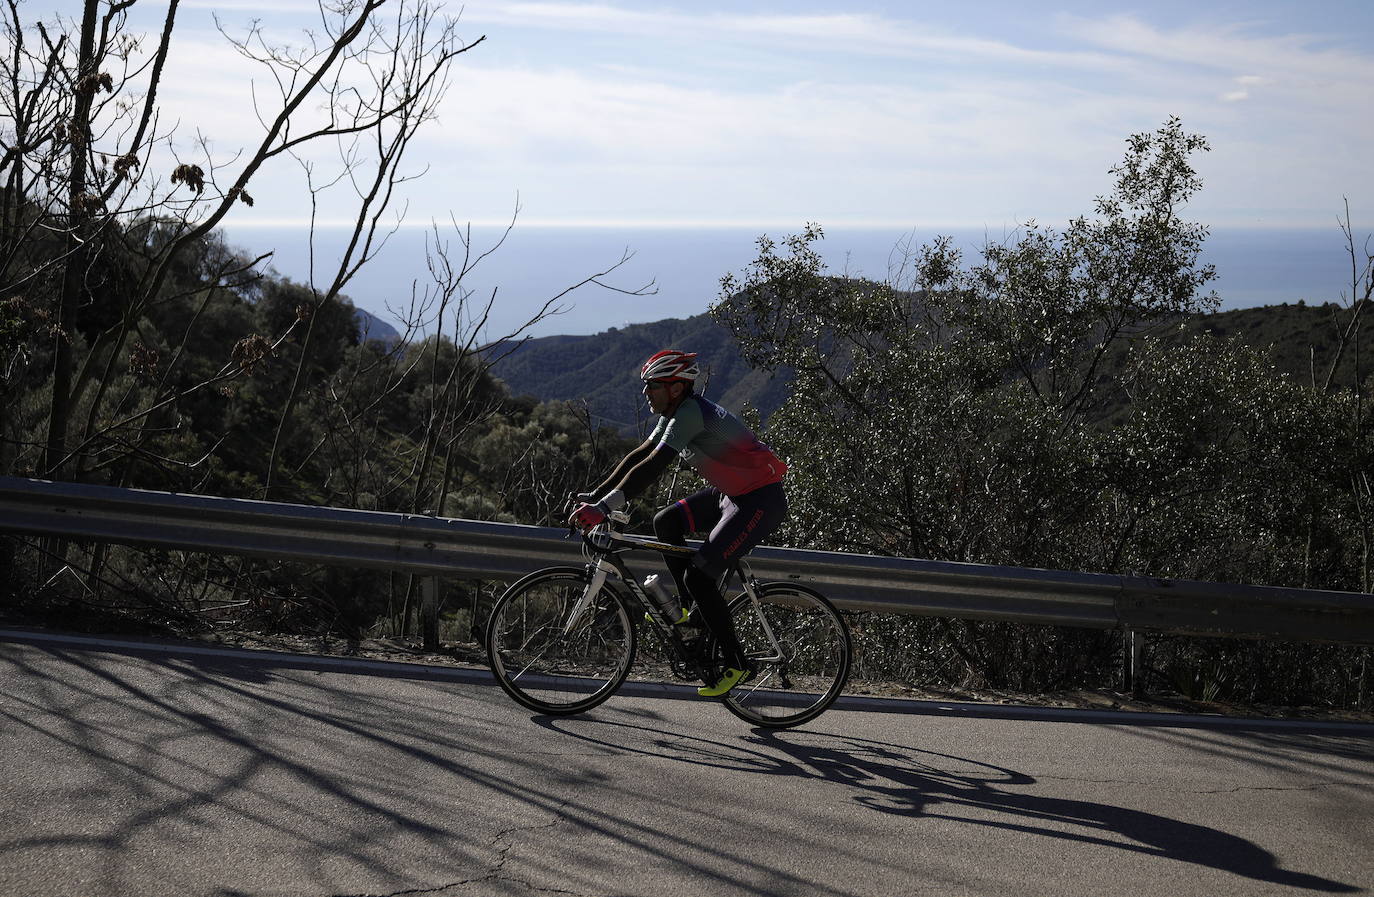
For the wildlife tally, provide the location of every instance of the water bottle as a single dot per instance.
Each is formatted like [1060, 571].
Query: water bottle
[664, 600]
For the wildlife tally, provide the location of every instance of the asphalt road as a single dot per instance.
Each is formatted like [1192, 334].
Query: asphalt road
[130, 772]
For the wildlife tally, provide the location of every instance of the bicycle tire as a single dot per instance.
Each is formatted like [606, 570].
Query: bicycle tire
[550, 670]
[814, 666]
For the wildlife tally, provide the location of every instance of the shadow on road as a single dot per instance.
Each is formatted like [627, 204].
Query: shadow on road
[206, 775]
[899, 780]
[261, 769]
[156, 756]
[907, 781]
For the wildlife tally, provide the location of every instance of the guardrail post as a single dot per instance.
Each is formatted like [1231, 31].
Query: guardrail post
[430, 593]
[1133, 656]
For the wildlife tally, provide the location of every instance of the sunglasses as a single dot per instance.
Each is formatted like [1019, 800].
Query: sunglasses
[655, 384]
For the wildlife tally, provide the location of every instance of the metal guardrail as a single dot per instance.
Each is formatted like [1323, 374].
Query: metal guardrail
[451, 547]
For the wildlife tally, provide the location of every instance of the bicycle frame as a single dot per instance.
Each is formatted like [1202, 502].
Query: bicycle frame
[549, 624]
[607, 543]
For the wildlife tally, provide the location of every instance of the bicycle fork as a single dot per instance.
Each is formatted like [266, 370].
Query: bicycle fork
[588, 595]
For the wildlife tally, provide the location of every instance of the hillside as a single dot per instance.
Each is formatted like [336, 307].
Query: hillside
[602, 368]
[1300, 340]
[371, 327]
[1303, 338]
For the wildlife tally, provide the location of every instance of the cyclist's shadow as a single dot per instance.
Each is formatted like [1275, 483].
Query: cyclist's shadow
[910, 782]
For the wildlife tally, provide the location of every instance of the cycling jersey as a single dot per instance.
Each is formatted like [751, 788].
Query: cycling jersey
[719, 446]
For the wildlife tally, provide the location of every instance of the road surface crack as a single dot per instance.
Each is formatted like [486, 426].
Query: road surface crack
[498, 871]
[1314, 786]
[503, 841]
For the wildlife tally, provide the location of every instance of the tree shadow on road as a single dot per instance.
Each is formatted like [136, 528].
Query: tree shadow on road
[406, 788]
[909, 782]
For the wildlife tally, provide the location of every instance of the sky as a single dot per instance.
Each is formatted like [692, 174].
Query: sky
[870, 116]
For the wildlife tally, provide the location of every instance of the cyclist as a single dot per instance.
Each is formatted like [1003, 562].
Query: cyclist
[743, 504]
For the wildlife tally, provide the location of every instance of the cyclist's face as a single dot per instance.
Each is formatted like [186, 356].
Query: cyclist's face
[662, 396]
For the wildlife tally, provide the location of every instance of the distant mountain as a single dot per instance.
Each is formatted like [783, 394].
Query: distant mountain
[1301, 339]
[371, 327]
[603, 369]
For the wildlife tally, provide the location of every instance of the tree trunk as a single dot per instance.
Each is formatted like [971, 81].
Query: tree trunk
[77, 248]
[430, 590]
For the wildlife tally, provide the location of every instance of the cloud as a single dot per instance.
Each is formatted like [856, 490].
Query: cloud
[601, 145]
[1242, 92]
[275, 7]
[851, 33]
[611, 116]
[879, 119]
[1298, 59]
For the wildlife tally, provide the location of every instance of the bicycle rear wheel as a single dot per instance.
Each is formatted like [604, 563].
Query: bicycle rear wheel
[797, 683]
[550, 661]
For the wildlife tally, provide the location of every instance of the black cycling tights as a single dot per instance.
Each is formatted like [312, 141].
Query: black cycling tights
[734, 526]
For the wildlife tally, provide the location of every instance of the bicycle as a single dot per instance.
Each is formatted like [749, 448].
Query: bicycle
[563, 639]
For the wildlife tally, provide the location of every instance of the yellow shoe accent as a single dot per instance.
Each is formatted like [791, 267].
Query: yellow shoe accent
[728, 680]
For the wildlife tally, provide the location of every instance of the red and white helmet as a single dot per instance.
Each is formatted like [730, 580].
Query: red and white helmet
[671, 364]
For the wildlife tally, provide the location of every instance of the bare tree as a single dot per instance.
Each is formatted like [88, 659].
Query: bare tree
[1361, 291]
[446, 378]
[83, 99]
[406, 63]
[109, 219]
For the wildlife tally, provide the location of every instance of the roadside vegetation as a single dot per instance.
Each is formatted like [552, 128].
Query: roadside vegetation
[1051, 403]
[137, 349]
[1054, 404]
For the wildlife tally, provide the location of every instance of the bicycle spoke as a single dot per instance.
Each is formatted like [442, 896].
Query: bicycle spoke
[814, 662]
[551, 664]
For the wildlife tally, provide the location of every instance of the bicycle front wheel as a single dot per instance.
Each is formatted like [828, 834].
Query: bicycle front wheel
[554, 652]
[800, 648]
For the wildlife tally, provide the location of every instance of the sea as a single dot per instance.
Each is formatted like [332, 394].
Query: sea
[595, 278]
